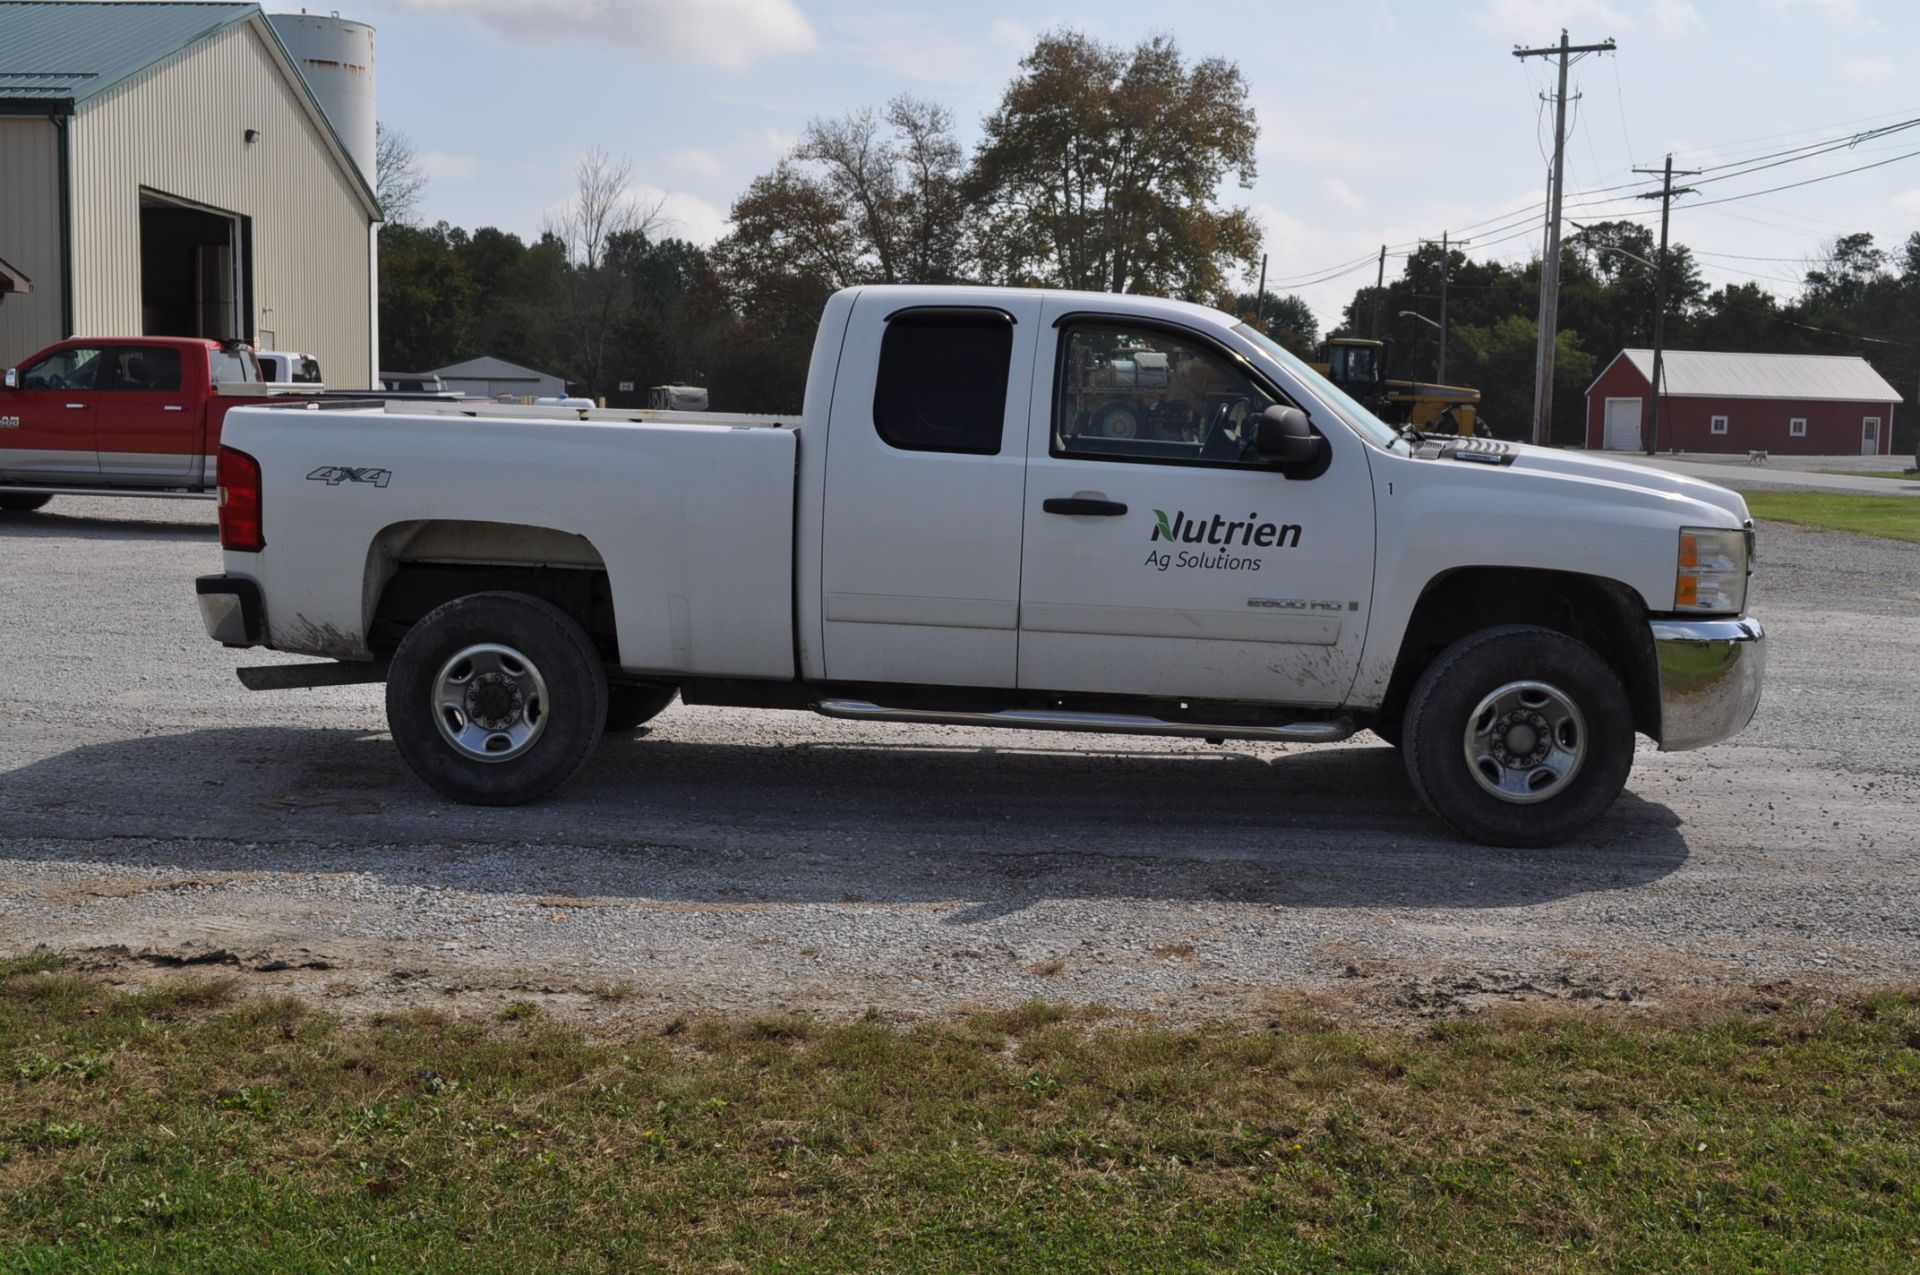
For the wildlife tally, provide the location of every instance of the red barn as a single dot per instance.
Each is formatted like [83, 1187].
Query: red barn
[1816, 404]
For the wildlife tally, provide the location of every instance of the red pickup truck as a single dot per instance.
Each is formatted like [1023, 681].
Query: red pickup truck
[120, 416]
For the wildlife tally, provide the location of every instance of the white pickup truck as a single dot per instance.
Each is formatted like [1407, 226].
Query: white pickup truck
[1011, 508]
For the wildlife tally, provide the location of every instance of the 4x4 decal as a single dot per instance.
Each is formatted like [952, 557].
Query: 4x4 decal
[334, 475]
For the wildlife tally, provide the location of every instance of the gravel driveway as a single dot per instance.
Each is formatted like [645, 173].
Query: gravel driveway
[154, 813]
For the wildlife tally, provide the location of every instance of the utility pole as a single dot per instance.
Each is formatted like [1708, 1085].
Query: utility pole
[1379, 291]
[1550, 264]
[1260, 297]
[1665, 196]
[1446, 274]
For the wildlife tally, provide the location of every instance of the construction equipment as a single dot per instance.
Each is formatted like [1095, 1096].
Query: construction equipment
[1359, 367]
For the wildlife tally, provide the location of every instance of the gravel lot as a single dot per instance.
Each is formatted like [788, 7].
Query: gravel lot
[154, 813]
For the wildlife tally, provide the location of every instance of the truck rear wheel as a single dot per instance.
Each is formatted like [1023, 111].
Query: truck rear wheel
[24, 502]
[629, 707]
[496, 699]
[1519, 736]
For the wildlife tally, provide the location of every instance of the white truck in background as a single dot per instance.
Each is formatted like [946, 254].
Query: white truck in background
[1013, 508]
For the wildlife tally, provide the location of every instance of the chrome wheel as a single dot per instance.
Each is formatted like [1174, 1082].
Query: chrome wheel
[1525, 742]
[490, 702]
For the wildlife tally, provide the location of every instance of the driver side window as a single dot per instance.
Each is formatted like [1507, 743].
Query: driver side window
[63, 370]
[1142, 394]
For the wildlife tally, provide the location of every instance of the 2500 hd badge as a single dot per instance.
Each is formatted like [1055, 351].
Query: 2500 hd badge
[1217, 531]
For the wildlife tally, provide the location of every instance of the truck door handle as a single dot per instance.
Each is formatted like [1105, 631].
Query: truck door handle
[1083, 505]
[76, 407]
[172, 407]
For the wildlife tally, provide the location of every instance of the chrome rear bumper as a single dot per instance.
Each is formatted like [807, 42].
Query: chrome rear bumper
[1710, 675]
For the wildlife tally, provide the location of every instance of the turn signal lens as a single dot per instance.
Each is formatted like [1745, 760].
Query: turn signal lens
[239, 477]
[1711, 572]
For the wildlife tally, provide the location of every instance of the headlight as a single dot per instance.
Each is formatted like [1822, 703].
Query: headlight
[1712, 574]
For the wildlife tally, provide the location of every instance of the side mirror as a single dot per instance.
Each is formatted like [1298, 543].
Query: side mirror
[1284, 438]
[13, 378]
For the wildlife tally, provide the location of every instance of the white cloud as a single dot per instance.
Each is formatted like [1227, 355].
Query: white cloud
[442, 166]
[731, 34]
[1906, 203]
[1535, 22]
[1009, 34]
[1867, 70]
[701, 163]
[1341, 193]
[685, 216]
[1677, 17]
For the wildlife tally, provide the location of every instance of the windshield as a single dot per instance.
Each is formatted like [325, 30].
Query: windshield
[1344, 405]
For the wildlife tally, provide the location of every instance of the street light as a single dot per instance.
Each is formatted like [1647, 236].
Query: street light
[1415, 314]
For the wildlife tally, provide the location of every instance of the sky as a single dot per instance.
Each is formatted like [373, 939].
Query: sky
[1380, 122]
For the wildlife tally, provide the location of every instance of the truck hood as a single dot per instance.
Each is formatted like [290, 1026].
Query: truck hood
[1528, 460]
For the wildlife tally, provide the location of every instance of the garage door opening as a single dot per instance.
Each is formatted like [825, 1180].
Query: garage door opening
[195, 270]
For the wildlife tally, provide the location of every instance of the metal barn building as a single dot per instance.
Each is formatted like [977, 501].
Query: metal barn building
[1811, 404]
[166, 170]
[490, 377]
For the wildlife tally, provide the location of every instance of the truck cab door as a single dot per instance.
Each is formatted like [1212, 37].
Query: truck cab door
[925, 477]
[1162, 556]
[53, 439]
[147, 430]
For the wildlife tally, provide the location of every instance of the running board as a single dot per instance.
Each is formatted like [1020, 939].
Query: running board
[156, 493]
[856, 710]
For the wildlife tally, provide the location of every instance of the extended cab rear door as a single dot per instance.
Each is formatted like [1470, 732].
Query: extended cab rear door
[1160, 556]
[926, 468]
[149, 426]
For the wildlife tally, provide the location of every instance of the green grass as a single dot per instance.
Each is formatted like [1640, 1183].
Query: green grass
[1895, 517]
[1896, 474]
[186, 1129]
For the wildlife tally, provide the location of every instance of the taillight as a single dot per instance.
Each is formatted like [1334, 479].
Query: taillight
[239, 476]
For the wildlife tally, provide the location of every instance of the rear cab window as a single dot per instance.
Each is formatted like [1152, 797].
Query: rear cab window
[942, 381]
[143, 369]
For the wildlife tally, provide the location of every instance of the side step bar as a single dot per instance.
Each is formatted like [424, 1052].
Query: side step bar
[856, 710]
[155, 493]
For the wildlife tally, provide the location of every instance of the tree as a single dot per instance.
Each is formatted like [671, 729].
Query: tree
[603, 212]
[400, 182]
[1289, 319]
[1100, 170]
[426, 297]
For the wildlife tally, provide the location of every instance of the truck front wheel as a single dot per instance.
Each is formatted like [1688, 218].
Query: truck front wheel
[24, 502]
[496, 698]
[1519, 736]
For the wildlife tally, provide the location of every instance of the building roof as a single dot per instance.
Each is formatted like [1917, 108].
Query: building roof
[489, 368]
[1838, 378]
[65, 53]
[57, 55]
[13, 279]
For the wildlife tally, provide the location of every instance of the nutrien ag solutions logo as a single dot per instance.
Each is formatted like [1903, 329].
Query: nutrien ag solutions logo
[1218, 531]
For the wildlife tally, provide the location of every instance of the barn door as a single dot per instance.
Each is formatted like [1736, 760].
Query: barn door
[1622, 425]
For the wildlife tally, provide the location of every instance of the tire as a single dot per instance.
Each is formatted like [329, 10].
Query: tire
[629, 707]
[24, 502]
[530, 713]
[1564, 702]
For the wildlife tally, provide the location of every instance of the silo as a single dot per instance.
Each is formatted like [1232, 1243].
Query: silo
[336, 56]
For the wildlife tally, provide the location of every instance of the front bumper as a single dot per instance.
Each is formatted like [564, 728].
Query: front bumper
[230, 608]
[1710, 675]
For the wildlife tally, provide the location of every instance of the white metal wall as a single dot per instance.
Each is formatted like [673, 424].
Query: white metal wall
[179, 129]
[30, 233]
